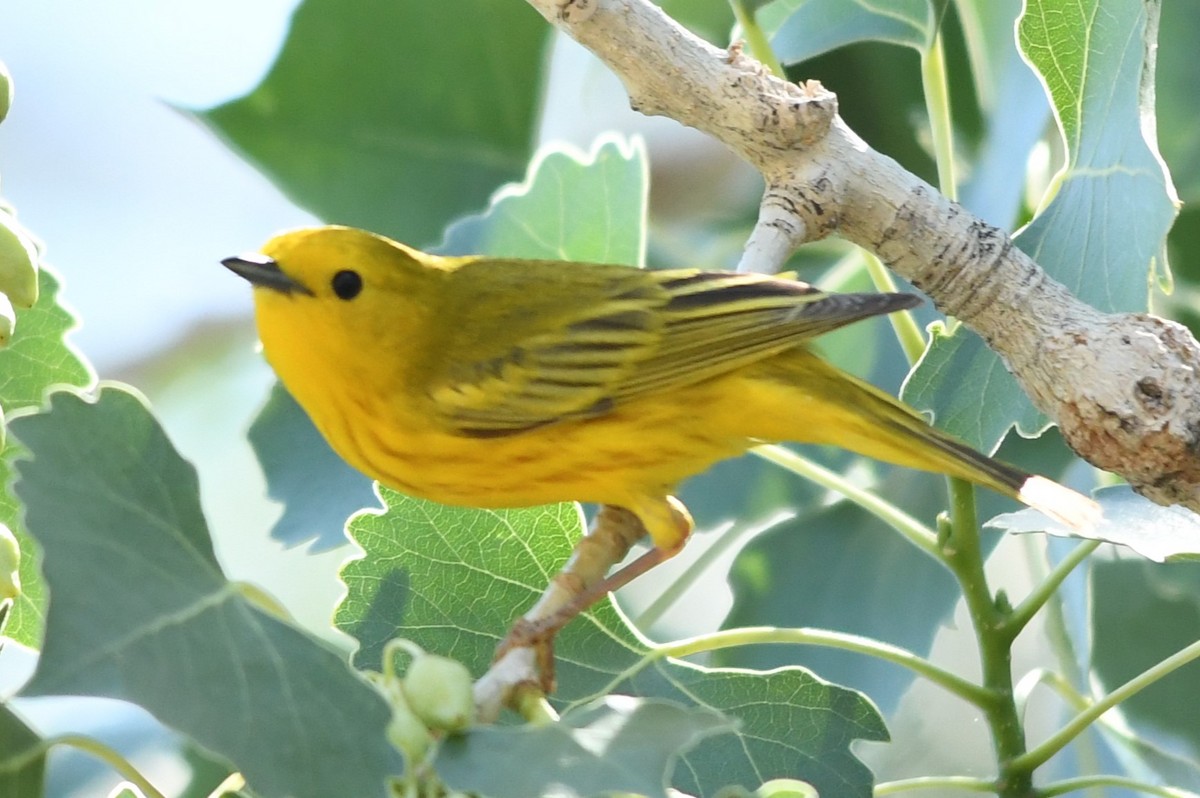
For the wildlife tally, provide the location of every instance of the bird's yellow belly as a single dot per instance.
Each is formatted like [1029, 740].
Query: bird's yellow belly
[644, 449]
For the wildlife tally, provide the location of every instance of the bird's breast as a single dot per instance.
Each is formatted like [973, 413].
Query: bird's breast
[642, 448]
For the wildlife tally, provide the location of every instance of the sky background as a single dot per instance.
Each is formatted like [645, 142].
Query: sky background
[135, 224]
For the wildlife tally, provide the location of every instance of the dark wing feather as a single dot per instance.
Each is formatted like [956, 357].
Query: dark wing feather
[559, 356]
[716, 322]
[623, 333]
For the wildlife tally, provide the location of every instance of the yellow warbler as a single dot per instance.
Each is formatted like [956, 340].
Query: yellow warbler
[496, 382]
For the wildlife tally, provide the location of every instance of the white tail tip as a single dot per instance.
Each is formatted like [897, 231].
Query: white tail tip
[1060, 503]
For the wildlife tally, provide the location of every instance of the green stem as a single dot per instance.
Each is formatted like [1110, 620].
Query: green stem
[1056, 630]
[904, 324]
[937, 105]
[114, 760]
[757, 635]
[1116, 730]
[1121, 782]
[961, 548]
[917, 533]
[1057, 633]
[934, 783]
[390, 649]
[1077, 725]
[1061, 686]
[760, 47]
[1024, 612]
[965, 557]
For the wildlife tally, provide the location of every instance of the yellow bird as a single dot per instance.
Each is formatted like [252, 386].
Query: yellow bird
[497, 382]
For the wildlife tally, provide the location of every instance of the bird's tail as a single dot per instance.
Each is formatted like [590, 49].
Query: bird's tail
[1061, 503]
[835, 408]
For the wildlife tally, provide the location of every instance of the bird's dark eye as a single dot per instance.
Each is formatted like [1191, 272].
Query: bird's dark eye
[346, 284]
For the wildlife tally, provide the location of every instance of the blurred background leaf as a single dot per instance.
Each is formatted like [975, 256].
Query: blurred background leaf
[801, 29]
[317, 489]
[571, 206]
[1142, 613]
[22, 766]
[362, 122]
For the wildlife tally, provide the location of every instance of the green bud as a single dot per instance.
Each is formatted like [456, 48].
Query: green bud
[439, 690]
[6, 91]
[10, 560]
[8, 320]
[785, 788]
[18, 263]
[407, 732]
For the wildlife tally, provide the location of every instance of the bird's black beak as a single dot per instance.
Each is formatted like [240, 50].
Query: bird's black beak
[260, 270]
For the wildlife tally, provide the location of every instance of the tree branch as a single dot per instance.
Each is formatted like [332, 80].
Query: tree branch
[1123, 388]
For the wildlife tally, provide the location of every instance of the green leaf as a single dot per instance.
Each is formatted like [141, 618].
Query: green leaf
[27, 615]
[207, 773]
[1014, 107]
[712, 19]
[141, 610]
[618, 745]
[571, 206]
[1103, 233]
[318, 490]
[801, 29]
[22, 758]
[1140, 615]
[1157, 533]
[771, 708]
[860, 580]
[394, 116]
[6, 91]
[1133, 746]
[981, 405]
[1176, 86]
[426, 569]
[424, 538]
[37, 357]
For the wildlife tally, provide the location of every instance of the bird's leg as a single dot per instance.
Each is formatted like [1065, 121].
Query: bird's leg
[652, 517]
[582, 582]
[613, 532]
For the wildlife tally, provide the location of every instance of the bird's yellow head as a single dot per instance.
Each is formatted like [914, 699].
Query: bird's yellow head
[330, 300]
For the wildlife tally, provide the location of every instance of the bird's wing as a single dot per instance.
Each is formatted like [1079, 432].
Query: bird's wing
[533, 342]
[715, 322]
[578, 347]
